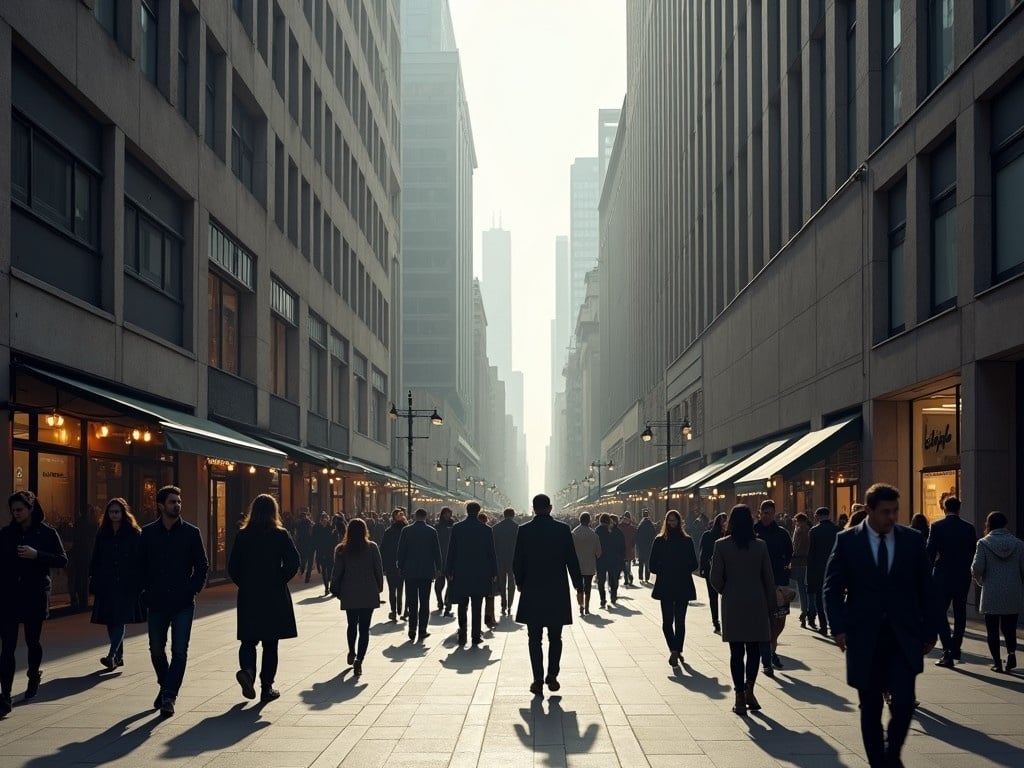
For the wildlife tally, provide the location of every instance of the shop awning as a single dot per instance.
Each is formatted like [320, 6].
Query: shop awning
[651, 477]
[806, 452]
[741, 468]
[301, 453]
[695, 478]
[612, 487]
[182, 431]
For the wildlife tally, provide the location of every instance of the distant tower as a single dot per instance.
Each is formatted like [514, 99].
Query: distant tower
[496, 286]
[583, 234]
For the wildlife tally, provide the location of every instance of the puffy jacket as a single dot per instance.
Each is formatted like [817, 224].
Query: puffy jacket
[998, 568]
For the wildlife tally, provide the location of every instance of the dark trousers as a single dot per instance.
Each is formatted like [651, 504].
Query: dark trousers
[8, 643]
[477, 601]
[611, 575]
[439, 592]
[395, 585]
[359, 627]
[744, 670]
[306, 562]
[890, 673]
[247, 660]
[586, 584]
[179, 622]
[534, 632]
[417, 596]
[995, 622]
[326, 565]
[673, 623]
[952, 641]
[712, 601]
[627, 571]
[115, 632]
[816, 598]
[506, 588]
[644, 568]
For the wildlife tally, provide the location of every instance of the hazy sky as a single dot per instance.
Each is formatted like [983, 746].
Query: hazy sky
[536, 72]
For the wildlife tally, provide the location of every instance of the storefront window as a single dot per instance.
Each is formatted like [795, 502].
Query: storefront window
[57, 488]
[20, 471]
[21, 426]
[59, 430]
[936, 451]
[107, 480]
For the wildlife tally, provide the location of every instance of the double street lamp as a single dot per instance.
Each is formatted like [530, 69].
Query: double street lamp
[409, 414]
[599, 465]
[685, 432]
[444, 466]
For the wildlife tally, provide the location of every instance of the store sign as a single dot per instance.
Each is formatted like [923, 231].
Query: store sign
[936, 441]
[939, 439]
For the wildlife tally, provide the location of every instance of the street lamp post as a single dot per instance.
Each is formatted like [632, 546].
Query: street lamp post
[409, 414]
[598, 465]
[684, 429]
[444, 466]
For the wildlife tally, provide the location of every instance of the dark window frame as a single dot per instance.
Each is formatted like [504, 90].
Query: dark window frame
[897, 235]
[942, 201]
[243, 145]
[168, 278]
[149, 9]
[891, 68]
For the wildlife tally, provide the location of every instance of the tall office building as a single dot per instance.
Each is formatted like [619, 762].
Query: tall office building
[583, 230]
[438, 160]
[496, 286]
[607, 125]
[561, 325]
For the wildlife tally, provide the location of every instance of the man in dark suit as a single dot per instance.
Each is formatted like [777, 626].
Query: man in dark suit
[879, 601]
[822, 538]
[472, 568]
[419, 561]
[505, 534]
[444, 537]
[951, 545]
[544, 556]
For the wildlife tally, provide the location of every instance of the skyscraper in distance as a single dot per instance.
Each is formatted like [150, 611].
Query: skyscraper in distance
[496, 287]
[584, 195]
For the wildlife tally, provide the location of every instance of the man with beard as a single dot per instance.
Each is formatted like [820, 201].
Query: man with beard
[174, 567]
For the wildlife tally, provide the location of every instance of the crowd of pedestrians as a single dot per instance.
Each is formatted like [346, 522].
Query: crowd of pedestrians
[881, 590]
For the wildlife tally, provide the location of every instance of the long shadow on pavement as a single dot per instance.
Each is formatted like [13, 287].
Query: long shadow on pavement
[60, 687]
[1010, 682]
[216, 732]
[404, 652]
[967, 739]
[467, 661]
[115, 743]
[555, 733]
[800, 747]
[695, 681]
[341, 687]
[797, 689]
[596, 619]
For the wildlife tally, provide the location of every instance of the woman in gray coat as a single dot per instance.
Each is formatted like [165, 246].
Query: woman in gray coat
[357, 582]
[998, 568]
[741, 571]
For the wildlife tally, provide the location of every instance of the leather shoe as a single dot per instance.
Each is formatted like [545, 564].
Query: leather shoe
[945, 661]
[553, 683]
[537, 687]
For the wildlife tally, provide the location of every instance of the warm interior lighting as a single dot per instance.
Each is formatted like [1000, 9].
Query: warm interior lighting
[252, 470]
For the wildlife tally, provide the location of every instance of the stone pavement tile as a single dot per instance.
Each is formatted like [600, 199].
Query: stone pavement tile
[550, 757]
[417, 743]
[654, 721]
[262, 760]
[627, 748]
[681, 761]
[399, 759]
[386, 732]
[719, 733]
[368, 755]
[517, 758]
[478, 714]
[470, 739]
[665, 744]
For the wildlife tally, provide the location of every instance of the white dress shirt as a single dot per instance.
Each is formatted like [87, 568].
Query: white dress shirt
[875, 538]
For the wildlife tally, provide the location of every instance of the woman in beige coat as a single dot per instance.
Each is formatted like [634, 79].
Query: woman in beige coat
[741, 572]
[357, 582]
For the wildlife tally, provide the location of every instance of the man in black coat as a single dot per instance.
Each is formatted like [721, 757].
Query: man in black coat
[951, 545]
[389, 558]
[304, 544]
[472, 568]
[780, 551]
[504, 547]
[544, 556]
[644, 540]
[822, 539]
[880, 604]
[444, 537]
[419, 562]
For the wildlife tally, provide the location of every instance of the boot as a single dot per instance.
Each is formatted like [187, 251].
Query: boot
[740, 707]
[748, 696]
[33, 685]
[1011, 661]
[997, 665]
[269, 693]
[5, 704]
[803, 621]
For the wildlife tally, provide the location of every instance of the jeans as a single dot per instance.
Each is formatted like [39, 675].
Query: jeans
[744, 673]
[8, 643]
[534, 633]
[116, 634]
[417, 596]
[951, 642]
[326, 571]
[1008, 624]
[179, 622]
[712, 601]
[644, 568]
[627, 571]
[359, 625]
[799, 575]
[506, 588]
[816, 599]
[477, 601]
[673, 623]
[611, 575]
[247, 660]
[587, 583]
[395, 584]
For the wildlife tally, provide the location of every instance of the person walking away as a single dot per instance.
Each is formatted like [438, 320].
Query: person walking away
[472, 569]
[673, 561]
[801, 548]
[588, 552]
[174, 568]
[325, 539]
[951, 548]
[29, 548]
[609, 564]
[489, 620]
[880, 602]
[444, 537]
[419, 562]
[545, 564]
[83, 537]
[644, 540]
[920, 524]
[998, 568]
[707, 550]
[304, 544]
[115, 577]
[505, 534]
[780, 549]
[694, 528]
[262, 562]
[357, 582]
[741, 572]
[389, 556]
[628, 535]
[821, 538]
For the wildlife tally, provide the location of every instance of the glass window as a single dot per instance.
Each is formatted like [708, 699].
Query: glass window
[149, 39]
[997, 11]
[184, 22]
[106, 13]
[225, 300]
[152, 252]
[211, 99]
[278, 357]
[1008, 181]
[317, 375]
[243, 142]
[57, 429]
[892, 93]
[897, 263]
[940, 41]
[943, 227]
[20, 147]
[57, 489]
[51, 182]
[362, 393]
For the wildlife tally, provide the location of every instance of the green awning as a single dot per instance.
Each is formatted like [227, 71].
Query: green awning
[301, 453]
[694, 478]
[182, 431]
[741, 468]
[652, 477]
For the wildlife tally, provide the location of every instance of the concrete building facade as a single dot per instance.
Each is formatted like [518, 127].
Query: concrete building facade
[496, 285]
[584, 184]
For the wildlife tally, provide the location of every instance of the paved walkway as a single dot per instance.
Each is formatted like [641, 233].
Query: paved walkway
[436, 706]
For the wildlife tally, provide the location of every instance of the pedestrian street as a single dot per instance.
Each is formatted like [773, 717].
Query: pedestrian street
[435, 706]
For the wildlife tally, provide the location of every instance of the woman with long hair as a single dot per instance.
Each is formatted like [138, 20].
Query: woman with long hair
[707, 549]
[263, 560]
[998, 569]
[798, 572]
[673, 561]
[741, 571]
[920, 524]
[115, 577]
[357, 582]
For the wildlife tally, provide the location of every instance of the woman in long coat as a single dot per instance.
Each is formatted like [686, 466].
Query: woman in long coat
[357, 582]
[707, 550]
[741, 572]
[262, 561]
[115, 577]
[673, 562]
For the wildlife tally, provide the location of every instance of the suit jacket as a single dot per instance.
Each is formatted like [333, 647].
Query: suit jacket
[860, 601]
[951, 547]
[472, 564]
[544, 562]
[821, 538]
[419, 554]
[505, 542]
